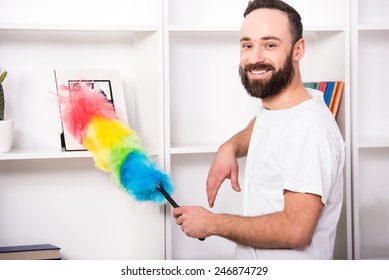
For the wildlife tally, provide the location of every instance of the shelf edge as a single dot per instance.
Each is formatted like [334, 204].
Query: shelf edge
[193, 150]
[366, 143]
[76, 27]
[236, 28]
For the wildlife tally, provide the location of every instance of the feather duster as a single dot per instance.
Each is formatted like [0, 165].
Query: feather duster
[115, 147]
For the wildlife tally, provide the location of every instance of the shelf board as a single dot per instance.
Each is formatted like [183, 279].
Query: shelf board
[51, 154]
[77, 27]
[379, 142]
[204, 28]
[43, 154]
[373, 27]
[236, 28]
[324, 28]
[193, 150]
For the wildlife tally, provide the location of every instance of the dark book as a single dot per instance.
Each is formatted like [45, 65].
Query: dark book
[328, 93]
[30, 252]
[310, 85]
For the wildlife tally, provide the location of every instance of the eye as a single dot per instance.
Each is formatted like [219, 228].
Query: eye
[271, 45]
[246, 46]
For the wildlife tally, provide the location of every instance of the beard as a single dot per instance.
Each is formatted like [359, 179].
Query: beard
[271, 87]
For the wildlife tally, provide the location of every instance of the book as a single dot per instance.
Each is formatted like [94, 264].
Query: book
[331, 103]
[310, 85]
[328, 93]
[322, 87]
[337, 97]
[30, 252]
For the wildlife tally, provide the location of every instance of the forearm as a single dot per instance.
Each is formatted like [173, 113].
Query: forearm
[293, 227]
[268, 231]
[284, 229]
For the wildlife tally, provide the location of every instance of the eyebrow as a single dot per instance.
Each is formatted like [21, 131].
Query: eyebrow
[266, 38]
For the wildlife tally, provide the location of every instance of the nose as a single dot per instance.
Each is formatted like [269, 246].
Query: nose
[256, 55]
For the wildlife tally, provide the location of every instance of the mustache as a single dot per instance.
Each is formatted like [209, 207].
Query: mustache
[258, 67]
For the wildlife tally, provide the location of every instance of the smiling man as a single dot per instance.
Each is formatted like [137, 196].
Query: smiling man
[292, 195]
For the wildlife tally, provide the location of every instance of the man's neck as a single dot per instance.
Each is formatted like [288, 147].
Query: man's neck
[289, 97]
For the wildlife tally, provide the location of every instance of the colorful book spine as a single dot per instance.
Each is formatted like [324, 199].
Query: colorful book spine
[332, 93]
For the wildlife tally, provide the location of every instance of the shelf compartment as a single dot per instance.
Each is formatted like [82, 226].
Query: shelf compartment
[203, 85]
[30, 86]
[373, 12]
[202, 12]
[372, 97]
[324, 58]
[189, 175]
[373, 205]
[48, 198]
[118, 12]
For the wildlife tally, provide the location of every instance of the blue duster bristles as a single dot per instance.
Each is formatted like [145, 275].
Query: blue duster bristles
[139, 177]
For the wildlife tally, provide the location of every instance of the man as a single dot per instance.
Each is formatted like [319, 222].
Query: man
[292, 196]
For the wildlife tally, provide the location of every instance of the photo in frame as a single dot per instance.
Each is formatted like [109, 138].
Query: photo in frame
[102, 81]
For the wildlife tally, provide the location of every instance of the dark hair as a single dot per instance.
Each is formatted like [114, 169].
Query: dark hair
[296, 27]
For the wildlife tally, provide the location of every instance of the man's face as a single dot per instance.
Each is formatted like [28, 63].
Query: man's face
[266, 66]
[267, 87]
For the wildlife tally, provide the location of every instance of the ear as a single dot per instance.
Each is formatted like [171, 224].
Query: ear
[299, 50]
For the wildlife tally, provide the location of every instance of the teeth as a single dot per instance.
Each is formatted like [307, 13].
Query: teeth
[258, 71]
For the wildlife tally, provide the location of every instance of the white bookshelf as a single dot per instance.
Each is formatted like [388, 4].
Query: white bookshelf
[370, 33]
[179, 65]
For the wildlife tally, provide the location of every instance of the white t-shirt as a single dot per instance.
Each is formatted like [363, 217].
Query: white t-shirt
[298, 149]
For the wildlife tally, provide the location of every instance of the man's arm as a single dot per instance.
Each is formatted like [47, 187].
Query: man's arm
[225, 165]
[291, 228]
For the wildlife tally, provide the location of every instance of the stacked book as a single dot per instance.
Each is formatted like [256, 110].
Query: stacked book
[332, 93]
[30, 252]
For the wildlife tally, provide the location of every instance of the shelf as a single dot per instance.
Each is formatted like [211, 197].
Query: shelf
[78, 27]
[380, 142]
[51, 154]
[204, 28]
[193, 150]
[236, 28]
[373, 27]
[324, 28]
[47, 154]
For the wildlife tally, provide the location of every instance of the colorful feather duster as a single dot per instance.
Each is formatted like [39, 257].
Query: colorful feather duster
[115, 147]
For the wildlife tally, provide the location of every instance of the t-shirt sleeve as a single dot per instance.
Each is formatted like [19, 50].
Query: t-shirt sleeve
[310, 164]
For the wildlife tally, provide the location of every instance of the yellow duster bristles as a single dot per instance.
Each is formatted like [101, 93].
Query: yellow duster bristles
[103, 135]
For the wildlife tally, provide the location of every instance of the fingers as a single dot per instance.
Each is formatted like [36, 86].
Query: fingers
[212, 190]
[234, 181]
[216, 178]
[177, 212]
[193, 220]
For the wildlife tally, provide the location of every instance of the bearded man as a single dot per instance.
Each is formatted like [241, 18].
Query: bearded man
[292, 196]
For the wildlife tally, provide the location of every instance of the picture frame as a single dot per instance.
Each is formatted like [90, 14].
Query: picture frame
[104, 81]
